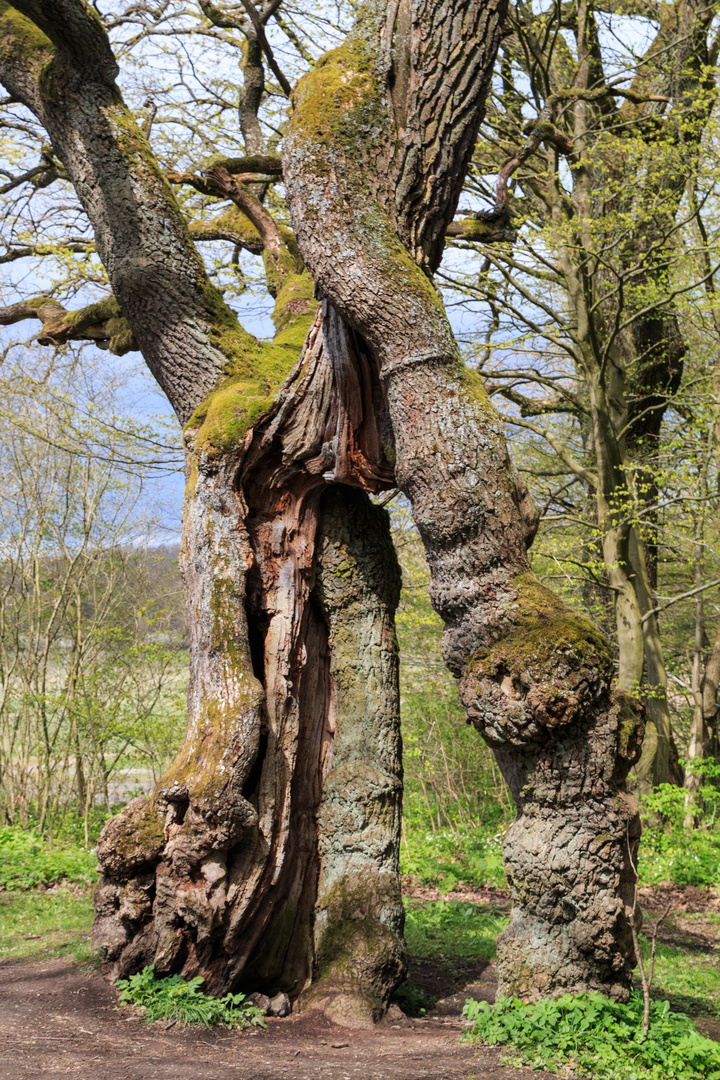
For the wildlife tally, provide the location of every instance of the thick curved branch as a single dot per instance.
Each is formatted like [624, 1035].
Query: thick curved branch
[81, 43]
[41, 176]
[255, 163]
[101, 322]
[483, 231]
[187, 335]
[529, 407]
[228, 228]
[221, 183]
[542, 131]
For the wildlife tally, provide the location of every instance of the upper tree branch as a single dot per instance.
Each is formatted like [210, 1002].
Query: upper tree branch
[102, 323]
[187, 335]
[259, 28]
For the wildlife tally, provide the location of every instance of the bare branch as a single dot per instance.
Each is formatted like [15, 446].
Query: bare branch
[262, 38]
[677, 599]
[562, 452]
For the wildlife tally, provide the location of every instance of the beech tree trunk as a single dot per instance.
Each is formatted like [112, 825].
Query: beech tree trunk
[267, 857]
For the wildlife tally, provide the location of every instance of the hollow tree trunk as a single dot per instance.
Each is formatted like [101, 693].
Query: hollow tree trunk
[535, 677]
[267, 857]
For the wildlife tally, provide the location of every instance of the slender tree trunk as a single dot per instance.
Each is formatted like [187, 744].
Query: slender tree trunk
[698, 733]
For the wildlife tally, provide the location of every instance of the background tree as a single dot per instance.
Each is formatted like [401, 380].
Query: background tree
[267, 855]
[92, 636]
[603, 139]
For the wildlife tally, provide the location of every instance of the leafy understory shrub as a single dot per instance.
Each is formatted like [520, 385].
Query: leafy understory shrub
[173, 998]
[669, 851]
[27, 861]
[597, 1037]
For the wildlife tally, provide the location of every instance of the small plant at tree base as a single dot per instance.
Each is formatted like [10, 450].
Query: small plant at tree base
[173, 998]
[597, 1037]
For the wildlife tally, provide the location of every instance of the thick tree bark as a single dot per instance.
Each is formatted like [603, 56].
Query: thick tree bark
[535, 676]
[267, 858]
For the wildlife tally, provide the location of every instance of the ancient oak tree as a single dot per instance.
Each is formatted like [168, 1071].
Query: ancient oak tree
[267, 857]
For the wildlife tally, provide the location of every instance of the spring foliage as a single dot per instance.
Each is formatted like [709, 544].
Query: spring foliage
[597, 1037]
[173, 998]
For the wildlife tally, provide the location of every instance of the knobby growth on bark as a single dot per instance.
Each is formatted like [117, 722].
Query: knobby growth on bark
[267, 856]
[595, 283]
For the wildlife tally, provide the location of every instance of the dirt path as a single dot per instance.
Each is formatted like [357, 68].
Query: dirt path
[58, 1020]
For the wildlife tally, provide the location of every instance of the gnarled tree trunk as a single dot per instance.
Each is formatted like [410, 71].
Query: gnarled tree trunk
[267, 856]
[535, 677]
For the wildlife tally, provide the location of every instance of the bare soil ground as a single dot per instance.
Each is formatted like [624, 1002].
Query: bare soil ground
[58, 1019]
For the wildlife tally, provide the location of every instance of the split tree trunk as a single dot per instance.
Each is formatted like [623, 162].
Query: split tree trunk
[267, 857]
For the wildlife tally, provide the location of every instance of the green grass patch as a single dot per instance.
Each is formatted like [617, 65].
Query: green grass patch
[174, 998]
[446, 860]
[597, 1037]
[688, 980]
[448, 929]
[46, 925]
[26, 861]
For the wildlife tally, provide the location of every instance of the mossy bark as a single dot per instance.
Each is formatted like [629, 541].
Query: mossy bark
[285, 794]
[217, 873]
[220, 872]
[535, 677]
[359, 915]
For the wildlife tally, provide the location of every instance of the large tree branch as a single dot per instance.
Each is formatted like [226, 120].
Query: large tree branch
[186, 333]
[101, 322]
[257, 163]
[41, 176]
[279, 244]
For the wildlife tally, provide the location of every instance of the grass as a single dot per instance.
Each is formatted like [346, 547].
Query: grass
[449, 859]
[689, 980]
[39, 918]
[27, 861]
[450, 929]
[49, 925]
